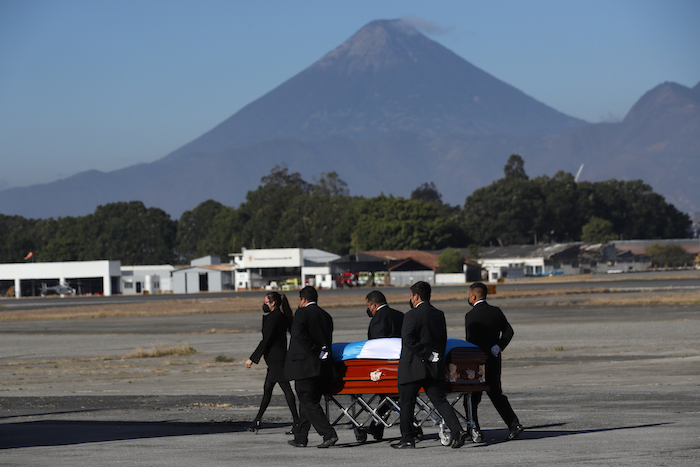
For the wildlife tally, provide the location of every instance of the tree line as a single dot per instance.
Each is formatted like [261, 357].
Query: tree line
[287, 211]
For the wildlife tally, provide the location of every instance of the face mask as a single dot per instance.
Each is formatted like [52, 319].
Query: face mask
[369, 313]
[266, 308]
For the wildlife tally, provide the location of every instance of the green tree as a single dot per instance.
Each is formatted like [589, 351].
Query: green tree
[559, 218]
[451, 260]
[474, 251]
[505, 212]
[129, 232]
[208, 229]
[388, 223]
[634, 209]
[61, 239]
[597, 230]
[17, 238]
[669, 255]
[261, 214]
[515, 168]
[427, 192]
[330, 184]
[279, 176]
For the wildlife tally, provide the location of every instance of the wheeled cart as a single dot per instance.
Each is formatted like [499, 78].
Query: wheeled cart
[363, 386]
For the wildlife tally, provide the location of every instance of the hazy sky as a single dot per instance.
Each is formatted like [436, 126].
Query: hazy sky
[107, 84]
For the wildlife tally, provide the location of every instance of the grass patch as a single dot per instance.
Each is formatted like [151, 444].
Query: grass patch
[222, 331]
[161, 350]
[224, 359]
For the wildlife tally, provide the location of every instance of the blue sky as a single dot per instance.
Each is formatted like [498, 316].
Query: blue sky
[107, 84]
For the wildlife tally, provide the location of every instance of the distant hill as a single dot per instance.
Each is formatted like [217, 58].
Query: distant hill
[388, 110]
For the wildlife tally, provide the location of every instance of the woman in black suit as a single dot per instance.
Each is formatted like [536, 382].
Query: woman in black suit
[277, 321]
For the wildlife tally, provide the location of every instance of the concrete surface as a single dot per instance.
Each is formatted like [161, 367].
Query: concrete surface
[592, 385]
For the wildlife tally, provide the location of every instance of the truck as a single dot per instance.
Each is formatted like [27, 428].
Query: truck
[348, 279]
[364, 278]
[381, 278]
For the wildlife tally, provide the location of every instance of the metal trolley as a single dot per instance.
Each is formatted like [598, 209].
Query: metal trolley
[364, 386]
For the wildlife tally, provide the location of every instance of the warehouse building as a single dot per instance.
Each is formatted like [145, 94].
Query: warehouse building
[84, 277]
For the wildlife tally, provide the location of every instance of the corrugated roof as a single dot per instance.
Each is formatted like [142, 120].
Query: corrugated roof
[526, 251]
[423, 257]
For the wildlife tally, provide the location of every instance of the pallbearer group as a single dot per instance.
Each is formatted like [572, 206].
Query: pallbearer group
[308, 361]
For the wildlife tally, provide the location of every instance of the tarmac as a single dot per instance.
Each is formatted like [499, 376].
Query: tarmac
[592, 386]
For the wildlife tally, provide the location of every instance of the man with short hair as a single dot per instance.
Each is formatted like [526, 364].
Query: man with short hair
[422, 365]
[487, 327]
[386, 322]
[310, 364]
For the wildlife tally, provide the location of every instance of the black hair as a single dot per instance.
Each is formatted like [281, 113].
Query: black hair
[422, 289]
[377, 297]
[482, 289]
[283, 303]
[309, 293]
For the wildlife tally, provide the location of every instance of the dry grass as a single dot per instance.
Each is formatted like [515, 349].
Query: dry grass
[160, 350]
[224, 359]
[251, 302]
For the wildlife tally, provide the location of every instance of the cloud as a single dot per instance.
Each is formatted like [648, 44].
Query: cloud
[426, 26]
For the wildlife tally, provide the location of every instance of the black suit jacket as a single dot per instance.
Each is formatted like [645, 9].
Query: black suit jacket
[274, 338]
[487, 326]
[386, 322]
[312, 329]
[424, 331]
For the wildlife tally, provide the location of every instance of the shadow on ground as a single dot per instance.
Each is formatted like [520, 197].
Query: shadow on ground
[61, 433]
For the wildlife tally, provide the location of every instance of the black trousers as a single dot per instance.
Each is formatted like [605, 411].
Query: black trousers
[309, 391]
[495, 393]
[434, 389]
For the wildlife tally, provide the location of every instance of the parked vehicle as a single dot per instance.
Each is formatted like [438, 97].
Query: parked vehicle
[364, 278]
[292, 284]
[348, 279]
[381, 278]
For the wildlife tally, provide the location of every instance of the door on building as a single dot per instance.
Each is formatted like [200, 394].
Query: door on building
[138, 287]
[203, 282]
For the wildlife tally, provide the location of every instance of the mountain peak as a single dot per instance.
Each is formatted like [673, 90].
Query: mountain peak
[663, 98]
[381, 43]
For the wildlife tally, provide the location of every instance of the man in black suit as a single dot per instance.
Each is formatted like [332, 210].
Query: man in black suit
[386, 322]
[310, 364]
[422, 365]
[487, 327]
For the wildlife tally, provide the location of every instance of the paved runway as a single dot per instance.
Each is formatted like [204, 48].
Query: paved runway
[592, 385]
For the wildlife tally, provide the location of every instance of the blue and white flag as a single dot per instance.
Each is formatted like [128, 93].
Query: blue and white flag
[381, 349]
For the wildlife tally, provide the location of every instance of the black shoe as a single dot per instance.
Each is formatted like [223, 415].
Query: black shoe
[328, 442]
[404, 445]
[254, 427]
[515, 432]
[293, 429]
[297, 444]
[418, 433]
[459, 440]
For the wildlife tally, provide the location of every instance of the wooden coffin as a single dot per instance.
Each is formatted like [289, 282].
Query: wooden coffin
[465, 367]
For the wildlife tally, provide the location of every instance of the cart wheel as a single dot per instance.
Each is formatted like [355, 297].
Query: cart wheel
[445, 437]
[360, 435]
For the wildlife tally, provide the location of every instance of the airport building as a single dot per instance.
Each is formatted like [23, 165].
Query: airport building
[149, 279]
[205, 274]
[283, 268]
[519, 261]
[84, 277]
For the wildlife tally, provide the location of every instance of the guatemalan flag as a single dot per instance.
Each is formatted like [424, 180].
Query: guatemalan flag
[381, 349]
